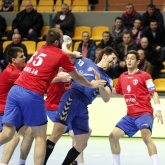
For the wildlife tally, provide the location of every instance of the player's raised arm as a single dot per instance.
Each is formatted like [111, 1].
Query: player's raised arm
[158, 113]
[62, 77]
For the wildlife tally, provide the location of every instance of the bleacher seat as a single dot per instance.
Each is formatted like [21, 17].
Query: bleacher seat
[43, 32]
[163, 70]
[97, 42]
[5, 43]
[30, 46]
[76, 44]
[79, 30]
[45, 9]
[79, 9]
[115, 80]
[40, 43]
[160, 84]
[98, 31]
[8, 28]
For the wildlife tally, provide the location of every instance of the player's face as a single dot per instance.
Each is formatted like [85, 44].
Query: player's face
[19, 61]
[131, 61]
[110, 61]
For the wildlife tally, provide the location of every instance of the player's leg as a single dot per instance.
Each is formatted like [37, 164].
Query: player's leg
[9, 149]
[58, 130]
[125, 126]
[26, 144]
[145, 123]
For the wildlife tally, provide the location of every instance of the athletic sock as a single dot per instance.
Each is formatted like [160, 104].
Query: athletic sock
[116, 159]
[154, 159]
[71, 156]
[49, 149]
[3, 164]
[22, 162]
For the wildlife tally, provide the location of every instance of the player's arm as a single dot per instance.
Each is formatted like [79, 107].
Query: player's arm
[62, 77]
[158, 113]
[84, 82]
[105, 93]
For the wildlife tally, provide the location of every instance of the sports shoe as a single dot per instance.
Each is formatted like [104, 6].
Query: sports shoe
[74, 163]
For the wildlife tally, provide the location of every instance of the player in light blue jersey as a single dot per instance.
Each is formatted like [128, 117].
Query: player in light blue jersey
[72, 109]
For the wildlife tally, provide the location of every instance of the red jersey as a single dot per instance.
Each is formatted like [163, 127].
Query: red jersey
[55, 92]
[7, 79]
[136, 89]
[41, 68]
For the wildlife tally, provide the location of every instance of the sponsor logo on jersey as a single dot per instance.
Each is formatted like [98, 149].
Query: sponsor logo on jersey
[135, 82]
[90, 69]
[150, 85]
[80, 71]
[130, 99]
[128, 88]
[86, 74]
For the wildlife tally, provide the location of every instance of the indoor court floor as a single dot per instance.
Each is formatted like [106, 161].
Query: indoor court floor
[133, 152]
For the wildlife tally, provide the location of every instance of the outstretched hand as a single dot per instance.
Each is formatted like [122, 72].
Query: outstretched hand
[77, 54]
[97, 75]
[158, 114]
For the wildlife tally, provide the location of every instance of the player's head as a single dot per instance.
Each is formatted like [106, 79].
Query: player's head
[15, 56]
[67, 42]
[54, 37]
[132, 59]
[107, 58]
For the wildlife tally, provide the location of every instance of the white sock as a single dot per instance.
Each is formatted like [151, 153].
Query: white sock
[81, 164]
[155, 159]
[3, 164]
[21, 162]
[116, 159]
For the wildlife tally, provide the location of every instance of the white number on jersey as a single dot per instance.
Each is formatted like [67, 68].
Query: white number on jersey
[80, 63]
[38, 59]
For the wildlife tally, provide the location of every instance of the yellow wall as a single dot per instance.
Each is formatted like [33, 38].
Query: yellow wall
[104, 116]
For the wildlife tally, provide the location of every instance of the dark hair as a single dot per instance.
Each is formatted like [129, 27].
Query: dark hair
[154, 20]
[142, 50]
[138, 20]
[107, 51]
[118, 18]
[107, 32]
[13, 53]
[97, 49]
[130, 4]
[126, 33]
[135, 53]
[52, 35]
[151, 6]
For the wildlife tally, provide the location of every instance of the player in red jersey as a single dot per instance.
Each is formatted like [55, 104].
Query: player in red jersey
[7, 78]
[25, 101]
[136, 86]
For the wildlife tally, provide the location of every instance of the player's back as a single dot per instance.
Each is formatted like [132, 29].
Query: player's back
[42, 67]
[85, 67]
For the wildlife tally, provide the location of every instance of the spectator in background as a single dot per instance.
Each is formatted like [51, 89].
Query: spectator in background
[16, 38]
[3, 26]
[137, 31]
[65, 20]
[151, 55]
[107, 40]
[118, 30]
[144, 65]
[97, 52]
[28, 23]
[7, 5]
[87, 47]
[152, 13]
[122, 49]
[129, 16]
[156, 37]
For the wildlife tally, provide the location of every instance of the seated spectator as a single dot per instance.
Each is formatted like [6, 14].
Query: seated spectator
[144, 65]
[118, 30]
[97, 52]
[7, 5]
[65, 20]
[106, 41]
[151, 55]
[129, 16]
[87, 47]
[3, 26]
[152, 13]
[16, 38]
[28, 23]
[122, 49]
[156, 37]
[137, 31]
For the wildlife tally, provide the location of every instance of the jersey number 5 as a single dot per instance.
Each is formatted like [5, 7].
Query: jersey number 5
[37, 59]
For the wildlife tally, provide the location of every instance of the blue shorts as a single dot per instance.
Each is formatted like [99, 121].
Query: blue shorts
[24, 107]
[73, 110]
[130, 125]
[51, 114]
[1, 117]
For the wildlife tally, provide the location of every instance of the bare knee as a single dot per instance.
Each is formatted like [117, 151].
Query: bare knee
[113, 137]
[146, 138]
[16, 138]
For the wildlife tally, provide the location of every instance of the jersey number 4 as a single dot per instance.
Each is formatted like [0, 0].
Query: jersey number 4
[37, 59]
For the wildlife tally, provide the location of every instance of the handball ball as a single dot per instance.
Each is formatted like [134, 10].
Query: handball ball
[67, 39]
